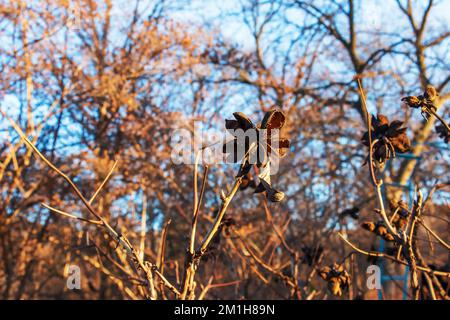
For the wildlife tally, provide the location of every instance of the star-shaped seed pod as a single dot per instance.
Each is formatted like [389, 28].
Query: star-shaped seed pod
[390, 138]
[443, 132]
[379, 228]
[337, 277]
[263, 144]
[272, 145]
[424, 101]
[400, 213]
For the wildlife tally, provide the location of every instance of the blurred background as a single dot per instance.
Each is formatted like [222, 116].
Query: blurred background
[92, 82]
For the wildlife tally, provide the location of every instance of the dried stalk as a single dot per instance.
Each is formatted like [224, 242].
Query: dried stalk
[193, 260]
[146, 267]
[386, 256]
[404, 239]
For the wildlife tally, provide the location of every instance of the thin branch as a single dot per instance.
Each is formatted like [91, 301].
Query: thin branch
[65, 214]
[441, 241]
[383, 255]
[104, 182]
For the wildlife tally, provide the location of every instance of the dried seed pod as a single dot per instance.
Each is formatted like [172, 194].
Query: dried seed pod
[323, 273]
[244, 122]
[335, 286]
[275, 195]
[368, 225]
[425, 101]
[338, 267]
[337, 277]
[401, 206]
[399, 213]
[382, 231]
[430, 93]
[379, 229]
[412, 101]
[274, 119]
[265, 183]
[443, 132]
[388, 237]
[391, 138]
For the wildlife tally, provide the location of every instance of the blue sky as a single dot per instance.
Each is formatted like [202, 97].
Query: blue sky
[222, 16]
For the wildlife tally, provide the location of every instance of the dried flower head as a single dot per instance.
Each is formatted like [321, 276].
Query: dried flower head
[337, 277]
[399, 213]
[443, 132]
[424, 101]
[272, 122]
[390, 138]
[379, 228]
[271, 146]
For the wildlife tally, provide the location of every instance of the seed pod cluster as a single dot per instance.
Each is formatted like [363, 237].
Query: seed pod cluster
[390, 138]
[337, 278]
[400, 213]
[265, 151]
[425, 101]
[379, 228]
